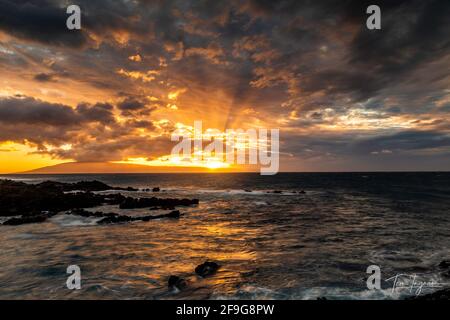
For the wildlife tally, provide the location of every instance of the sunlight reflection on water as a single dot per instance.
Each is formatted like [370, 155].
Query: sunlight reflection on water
[293, 246]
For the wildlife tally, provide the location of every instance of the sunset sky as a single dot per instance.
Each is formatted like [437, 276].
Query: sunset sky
[345, 98]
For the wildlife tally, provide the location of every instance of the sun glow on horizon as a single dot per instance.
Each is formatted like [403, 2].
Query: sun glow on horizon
[173, 161]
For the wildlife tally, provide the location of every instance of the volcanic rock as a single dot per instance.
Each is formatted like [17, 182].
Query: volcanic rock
[207, 268]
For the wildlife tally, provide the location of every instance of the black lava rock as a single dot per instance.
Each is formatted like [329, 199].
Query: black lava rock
[115, 219]
[25, 220]
[18, 198]
[177, 282]
[133, 203]
[206, 269]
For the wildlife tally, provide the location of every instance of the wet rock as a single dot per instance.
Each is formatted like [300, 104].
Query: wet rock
[25, 220]
[173, 215]
[115, 219]
[110, 218]
[247, 190]
[445, 264]
[36, 202]
[176, 282]
[207, 268]
[81, 186]
[133, 203]
[18, 198]
[89, 214]
[157, 189]
[276, 191]
[302, 192]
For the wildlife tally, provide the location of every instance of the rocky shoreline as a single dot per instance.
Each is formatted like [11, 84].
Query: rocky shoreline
[35, 203]
[24, 203]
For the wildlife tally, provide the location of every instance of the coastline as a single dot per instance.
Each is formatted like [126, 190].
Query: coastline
[114, 204]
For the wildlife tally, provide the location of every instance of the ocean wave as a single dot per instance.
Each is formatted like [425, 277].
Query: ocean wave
[68, 220]
[255, 292]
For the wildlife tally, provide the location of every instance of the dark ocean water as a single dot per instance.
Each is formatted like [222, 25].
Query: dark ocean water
[270, 246]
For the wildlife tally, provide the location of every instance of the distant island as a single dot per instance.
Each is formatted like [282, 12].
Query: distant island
[110, 167]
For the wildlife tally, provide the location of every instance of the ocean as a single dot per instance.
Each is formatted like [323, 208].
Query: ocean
[283, 245]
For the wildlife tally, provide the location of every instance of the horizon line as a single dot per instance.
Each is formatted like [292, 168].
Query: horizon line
[219, 172]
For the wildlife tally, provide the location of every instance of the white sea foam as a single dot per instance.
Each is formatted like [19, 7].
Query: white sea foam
[68, 220]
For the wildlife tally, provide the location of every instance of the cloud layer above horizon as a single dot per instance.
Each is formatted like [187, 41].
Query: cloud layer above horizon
[344, 97]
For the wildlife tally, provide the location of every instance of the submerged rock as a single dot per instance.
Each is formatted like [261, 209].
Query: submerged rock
[444, 264]
[88, 214]
[176, 282]
[81, 186]
[157, 189]
[207, 268]
[134, 203]
[115, 218]
[162, 208]
[174, 215]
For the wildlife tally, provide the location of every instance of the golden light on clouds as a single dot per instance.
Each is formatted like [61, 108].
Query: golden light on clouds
[135, 58]
[173, 95]
[117, 89]
[148, 76]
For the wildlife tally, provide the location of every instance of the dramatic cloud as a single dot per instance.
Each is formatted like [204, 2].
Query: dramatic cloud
[340, 93]
[41, 21]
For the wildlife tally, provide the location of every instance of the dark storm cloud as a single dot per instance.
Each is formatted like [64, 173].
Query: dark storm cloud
[413, 34]
[405, 141]
[363, 151]
[414, 31]
[302, 62]
[27, 110]
[51, 77]
[402, 143]
[42, 21]
[116, 149]
[131, 104]
[99, 112]
[43, 77]
[40, 123]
